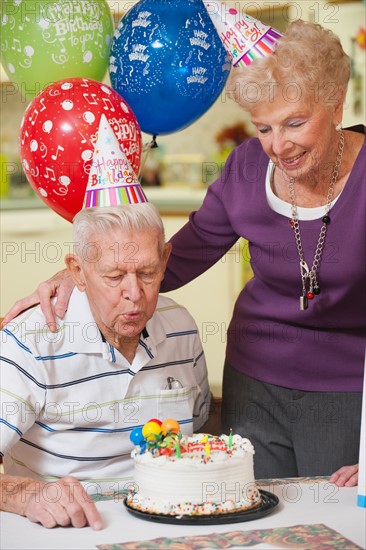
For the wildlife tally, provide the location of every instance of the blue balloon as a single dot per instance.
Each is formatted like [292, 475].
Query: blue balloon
[168, 62]
[136, 436]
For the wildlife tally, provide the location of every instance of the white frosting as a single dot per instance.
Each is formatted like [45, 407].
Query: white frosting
[196, 483]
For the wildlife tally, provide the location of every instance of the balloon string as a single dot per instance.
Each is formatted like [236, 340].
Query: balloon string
[146, 149]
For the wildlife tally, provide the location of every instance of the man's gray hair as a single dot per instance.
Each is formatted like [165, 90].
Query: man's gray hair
[131, 218]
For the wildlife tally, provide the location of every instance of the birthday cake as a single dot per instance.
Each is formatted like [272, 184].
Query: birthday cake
[202, 474]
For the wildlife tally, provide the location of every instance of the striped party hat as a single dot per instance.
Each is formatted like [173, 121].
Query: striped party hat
[244, 37]
[112, 180]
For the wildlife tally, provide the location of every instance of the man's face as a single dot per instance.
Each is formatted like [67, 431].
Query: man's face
[121, 275]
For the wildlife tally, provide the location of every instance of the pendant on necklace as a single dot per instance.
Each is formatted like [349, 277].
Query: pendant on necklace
[310, 287]
[303, 303]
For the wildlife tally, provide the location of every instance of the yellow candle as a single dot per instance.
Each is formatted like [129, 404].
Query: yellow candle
[207, 449]
[204, 439]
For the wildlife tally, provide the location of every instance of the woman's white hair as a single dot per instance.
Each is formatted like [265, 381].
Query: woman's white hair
[309, 64]
[130, 218]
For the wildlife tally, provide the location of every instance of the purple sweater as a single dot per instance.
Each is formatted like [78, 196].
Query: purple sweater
[269, 338]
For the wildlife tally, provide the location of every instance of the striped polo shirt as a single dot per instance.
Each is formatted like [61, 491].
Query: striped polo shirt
[70, 399]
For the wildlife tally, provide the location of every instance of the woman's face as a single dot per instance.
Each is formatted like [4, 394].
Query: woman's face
[298, 136]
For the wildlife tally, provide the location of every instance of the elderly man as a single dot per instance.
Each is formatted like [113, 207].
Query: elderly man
[71, 398]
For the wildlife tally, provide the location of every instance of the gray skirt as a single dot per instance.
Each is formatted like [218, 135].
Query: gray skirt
[295, 433]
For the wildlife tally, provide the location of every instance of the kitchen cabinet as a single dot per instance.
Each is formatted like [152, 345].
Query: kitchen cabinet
[33, 245]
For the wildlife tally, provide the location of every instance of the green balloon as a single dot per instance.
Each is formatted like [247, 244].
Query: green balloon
[43, 41]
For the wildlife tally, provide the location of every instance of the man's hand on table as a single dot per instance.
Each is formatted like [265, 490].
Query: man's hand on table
[63, 502]
[347, 476]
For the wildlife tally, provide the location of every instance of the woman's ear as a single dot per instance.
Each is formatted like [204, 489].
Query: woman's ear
[75, 269]
[338, 108]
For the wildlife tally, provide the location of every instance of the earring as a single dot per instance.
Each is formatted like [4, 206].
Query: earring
[339, 126]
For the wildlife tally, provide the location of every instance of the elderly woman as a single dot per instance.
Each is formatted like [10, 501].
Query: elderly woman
[296, 342]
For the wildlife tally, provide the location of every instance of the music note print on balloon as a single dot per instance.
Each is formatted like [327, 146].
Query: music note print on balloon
[108, 105]
[25, 136]
[25, 20]
[33, 117]
[16, 45]
[84, 139]
[59, 148]
[42, 101]
[50, 174]
[91, 98]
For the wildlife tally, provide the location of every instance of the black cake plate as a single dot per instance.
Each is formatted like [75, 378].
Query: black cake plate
[268, 503]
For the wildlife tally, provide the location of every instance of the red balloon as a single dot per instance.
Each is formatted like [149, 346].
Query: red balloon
[58, 134]
[156, 420]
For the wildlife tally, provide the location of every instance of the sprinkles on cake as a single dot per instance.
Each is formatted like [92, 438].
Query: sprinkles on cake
[202, 474]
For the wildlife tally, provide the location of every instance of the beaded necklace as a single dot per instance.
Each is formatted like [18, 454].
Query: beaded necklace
[310, 286]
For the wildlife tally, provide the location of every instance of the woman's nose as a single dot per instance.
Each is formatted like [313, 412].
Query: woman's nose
[280, 143]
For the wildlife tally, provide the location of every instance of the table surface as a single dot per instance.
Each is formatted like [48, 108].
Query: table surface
[300, 502]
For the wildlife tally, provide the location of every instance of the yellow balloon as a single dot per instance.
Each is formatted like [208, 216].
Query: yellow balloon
[151, 431]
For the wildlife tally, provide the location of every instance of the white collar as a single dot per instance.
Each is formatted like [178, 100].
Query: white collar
[284, 208]
[85, 337]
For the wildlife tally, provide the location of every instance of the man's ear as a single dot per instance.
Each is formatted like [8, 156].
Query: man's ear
[166, 253]
[75, 269]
